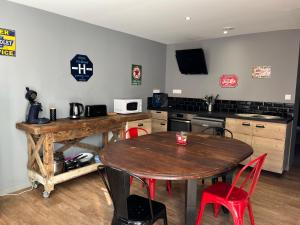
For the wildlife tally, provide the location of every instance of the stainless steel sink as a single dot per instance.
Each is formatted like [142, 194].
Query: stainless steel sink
[258, 116]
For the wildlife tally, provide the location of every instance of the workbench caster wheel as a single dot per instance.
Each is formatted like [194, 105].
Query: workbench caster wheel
[35, 184]
[46, 194]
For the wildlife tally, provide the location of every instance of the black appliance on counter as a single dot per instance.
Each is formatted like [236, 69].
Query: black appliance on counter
[34, 108]
[191, 61]
[160, 100]
[76, 109]
[95, 110]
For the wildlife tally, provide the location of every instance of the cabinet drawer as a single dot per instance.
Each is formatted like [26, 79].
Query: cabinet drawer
[269, 130]
[159, 125]
[239, 126]
[244, 138]
[145, 124]
[274, 149]
[161, 115]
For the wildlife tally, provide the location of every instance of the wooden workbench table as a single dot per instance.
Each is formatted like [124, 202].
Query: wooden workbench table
[41, 138]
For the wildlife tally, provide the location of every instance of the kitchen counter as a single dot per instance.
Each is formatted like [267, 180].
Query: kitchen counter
[225, 115]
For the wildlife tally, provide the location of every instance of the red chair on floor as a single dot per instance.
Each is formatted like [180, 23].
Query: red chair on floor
[235, 199]
[133, 133]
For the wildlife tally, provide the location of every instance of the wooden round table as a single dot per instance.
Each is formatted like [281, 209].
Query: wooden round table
[158, 156]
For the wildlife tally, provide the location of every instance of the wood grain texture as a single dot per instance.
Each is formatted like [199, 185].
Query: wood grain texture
[159, 121]
[269, 130]
[239, 126]
[67, 124]
[41, 137]
[144, 124]
[157, 156]
[84, 201]
[159, 125]
[161, 115]
[264, 137]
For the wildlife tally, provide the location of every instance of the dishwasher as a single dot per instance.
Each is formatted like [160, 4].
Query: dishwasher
[199, 124]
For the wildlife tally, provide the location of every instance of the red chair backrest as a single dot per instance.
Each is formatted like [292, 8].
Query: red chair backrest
[252, 176]
[134, 132]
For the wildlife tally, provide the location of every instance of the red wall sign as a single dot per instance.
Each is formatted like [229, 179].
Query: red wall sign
[228, 81]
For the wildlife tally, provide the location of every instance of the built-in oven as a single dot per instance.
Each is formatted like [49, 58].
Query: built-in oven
[180, 122]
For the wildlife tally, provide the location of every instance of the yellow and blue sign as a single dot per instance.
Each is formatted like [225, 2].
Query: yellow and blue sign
[7, 42]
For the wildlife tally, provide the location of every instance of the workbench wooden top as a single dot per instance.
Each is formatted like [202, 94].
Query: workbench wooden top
[65, 124]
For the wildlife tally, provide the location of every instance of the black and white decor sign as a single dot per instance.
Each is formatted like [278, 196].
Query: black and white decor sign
[81, 68]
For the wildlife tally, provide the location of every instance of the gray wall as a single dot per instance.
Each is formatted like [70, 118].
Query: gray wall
[237, 55]
[45, 44]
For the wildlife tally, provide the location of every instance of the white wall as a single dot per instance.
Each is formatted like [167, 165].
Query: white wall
[45, 45]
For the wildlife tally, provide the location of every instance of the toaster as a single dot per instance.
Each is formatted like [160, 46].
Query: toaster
[95, 110]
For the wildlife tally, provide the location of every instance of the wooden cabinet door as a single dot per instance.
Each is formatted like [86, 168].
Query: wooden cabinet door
[269, 130]
[159, 125]
[275, 150]
[161, 115]
[248, 140]
[239, 126]
[145, 124]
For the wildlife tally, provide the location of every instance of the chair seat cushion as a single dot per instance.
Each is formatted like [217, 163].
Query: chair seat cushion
[221, 189]
[139, 209]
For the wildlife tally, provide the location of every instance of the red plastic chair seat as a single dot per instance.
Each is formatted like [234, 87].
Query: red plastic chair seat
[220, 190]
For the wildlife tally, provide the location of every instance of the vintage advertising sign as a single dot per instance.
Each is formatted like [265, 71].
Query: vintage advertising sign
[81, 68]
[261, 72]
[228, 81]
[7, 42]
[136, 74]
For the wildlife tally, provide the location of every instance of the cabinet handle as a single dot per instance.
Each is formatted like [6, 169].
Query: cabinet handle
[163, 124]
[140, 125]
[246, 124]
[260, 126]
[158, 112]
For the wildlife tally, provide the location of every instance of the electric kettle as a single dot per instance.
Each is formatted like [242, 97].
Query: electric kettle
[76, 109]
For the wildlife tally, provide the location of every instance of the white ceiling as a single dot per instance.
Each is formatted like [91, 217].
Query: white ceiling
[164, 20]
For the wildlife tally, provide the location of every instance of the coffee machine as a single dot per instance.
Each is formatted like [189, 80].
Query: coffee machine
[33, 109]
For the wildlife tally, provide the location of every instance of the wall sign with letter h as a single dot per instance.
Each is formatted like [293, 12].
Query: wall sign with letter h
[81, 68]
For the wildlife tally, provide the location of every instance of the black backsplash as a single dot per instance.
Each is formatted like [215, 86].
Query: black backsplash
[229, 106]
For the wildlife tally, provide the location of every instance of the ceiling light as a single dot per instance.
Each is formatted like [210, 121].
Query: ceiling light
[227, 29]
[187, 18]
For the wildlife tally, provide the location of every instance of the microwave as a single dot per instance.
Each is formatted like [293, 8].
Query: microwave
[127, 106]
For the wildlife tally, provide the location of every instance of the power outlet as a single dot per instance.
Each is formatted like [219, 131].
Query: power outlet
[177, 91]
[287, 97]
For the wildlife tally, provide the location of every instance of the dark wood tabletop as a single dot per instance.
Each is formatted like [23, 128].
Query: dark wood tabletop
[158, 156]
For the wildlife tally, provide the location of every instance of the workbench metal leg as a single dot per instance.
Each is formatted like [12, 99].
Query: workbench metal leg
[191, 202]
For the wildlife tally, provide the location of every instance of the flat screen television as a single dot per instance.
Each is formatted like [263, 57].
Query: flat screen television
[191, 61]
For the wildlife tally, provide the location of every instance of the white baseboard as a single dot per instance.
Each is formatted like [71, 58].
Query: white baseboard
[14, 188]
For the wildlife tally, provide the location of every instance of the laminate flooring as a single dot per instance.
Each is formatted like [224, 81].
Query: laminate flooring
[84, 201]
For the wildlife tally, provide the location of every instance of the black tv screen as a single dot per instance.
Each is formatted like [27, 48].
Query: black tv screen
[191, 61]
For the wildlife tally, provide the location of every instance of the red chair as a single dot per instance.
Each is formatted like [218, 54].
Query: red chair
[133, 133]
[235, 199]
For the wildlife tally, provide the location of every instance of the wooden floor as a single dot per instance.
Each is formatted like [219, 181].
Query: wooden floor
[82, 201]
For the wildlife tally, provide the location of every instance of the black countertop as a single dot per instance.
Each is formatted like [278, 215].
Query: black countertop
[223, 115]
